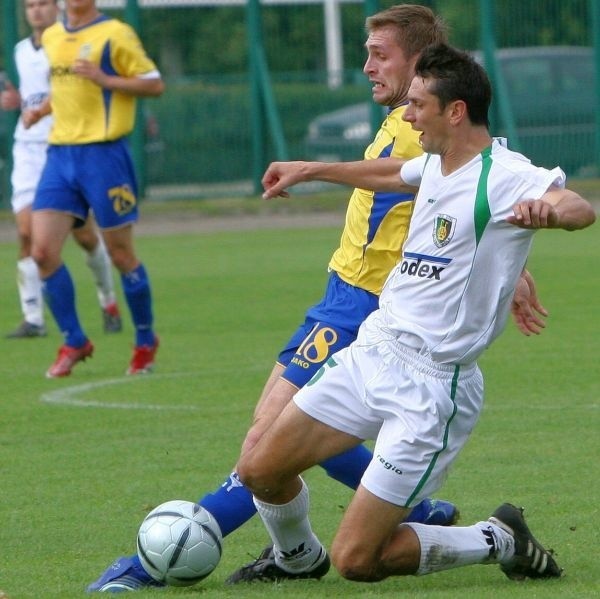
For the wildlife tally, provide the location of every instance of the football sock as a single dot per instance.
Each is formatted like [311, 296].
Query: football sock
[445, 547]
[231, 505]
[348, 467]
[30, 291]
[136, 287]
[290, 530]
[60, 296]
[100, 265]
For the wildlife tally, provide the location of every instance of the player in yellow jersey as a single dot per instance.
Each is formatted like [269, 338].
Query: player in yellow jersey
[97, 68]
[376, 225]
[29, 156]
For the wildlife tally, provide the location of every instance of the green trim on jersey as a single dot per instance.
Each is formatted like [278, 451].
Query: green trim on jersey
[482, 213]
[433, 462]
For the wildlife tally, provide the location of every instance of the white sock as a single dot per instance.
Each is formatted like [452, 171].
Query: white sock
[445, 547]
[295, 545]
[101, 267]
[30, 291]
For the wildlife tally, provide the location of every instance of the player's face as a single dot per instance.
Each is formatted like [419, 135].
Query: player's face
[387, 67]
[41, 13]
[424, 114]
[80, 6]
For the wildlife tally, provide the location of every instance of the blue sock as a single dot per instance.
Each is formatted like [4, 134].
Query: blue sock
[231, 504]
[348, 467]
[59, 293]
[136, 287]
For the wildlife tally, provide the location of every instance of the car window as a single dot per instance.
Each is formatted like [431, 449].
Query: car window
[528, 77]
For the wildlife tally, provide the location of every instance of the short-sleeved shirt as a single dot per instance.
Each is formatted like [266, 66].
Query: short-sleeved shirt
[34, 86]
[83, 111]
[461, 259]
[377, 222]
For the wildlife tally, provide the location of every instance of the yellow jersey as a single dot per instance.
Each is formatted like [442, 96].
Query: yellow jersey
[83, 111]
[377, 223]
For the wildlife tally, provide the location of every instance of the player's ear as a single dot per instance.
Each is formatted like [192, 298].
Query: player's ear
[457, 111]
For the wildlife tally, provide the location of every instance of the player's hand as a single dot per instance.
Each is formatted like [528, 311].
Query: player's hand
[279, 176]
[534, 214]
[30, 117]
[10, 99]
[89, 70]
[526, 308]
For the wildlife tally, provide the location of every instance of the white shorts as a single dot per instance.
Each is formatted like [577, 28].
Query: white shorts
[420, 413]
[29, 159]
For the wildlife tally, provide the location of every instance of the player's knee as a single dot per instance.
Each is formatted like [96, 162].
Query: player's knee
[254, 475]
[353, 563]
[46, 261]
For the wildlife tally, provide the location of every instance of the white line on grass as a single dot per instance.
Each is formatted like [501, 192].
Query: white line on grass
[69, 396]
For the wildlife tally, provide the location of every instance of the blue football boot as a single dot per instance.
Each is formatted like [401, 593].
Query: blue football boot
[124, 574]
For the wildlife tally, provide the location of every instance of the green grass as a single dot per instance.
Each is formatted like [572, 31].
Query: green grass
[83, 459]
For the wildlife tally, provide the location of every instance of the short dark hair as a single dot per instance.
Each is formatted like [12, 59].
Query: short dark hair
[416, 26]
[457, 77]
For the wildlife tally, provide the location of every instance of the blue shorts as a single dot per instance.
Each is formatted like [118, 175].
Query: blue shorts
[98, 176]
[329, 326]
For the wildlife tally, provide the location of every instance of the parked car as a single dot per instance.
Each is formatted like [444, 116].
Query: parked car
[551, 95]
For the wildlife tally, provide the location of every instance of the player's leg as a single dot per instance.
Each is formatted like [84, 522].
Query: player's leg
[231, 504]
[98, 261]
[301, 440]
[372, 544]
[50, 230]
[28, 282]
[136, 288]
[28, 162]
[110, 174]
[281, 496]
[427, 412]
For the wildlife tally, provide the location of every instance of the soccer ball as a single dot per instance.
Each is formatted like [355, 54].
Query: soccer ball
[179, 543]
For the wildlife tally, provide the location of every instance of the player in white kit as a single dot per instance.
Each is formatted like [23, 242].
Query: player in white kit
[410, 381]
[29, 157]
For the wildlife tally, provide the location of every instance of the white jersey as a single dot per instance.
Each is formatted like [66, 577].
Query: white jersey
[452, 291]
[34, 86]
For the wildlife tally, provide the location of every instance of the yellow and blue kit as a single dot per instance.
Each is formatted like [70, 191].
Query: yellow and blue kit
[89, 163]
[83, 111]
[370, 246]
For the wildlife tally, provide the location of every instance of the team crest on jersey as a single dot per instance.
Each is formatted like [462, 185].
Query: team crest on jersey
[443, 229]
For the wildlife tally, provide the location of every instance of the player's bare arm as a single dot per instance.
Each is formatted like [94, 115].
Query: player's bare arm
[556, 209]
[135, 86]
[382, 174]
[10, 99]
[31, 116]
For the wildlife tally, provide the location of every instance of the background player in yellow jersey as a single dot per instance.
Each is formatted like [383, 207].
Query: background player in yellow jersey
[376, 225]
[29, 157]
[97, 68]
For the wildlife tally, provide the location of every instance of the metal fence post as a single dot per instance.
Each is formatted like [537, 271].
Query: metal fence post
[488, 44]
[371, 7]
[9, 119]
[256, 113]
[137, 137]
[595, 13]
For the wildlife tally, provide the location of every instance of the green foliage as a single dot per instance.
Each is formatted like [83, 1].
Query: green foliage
[83, 459]
[198, 115]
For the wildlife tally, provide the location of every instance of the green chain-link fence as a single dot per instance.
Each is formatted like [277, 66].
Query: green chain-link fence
[249, 82]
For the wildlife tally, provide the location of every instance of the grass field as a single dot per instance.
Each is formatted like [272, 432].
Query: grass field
[83, 459]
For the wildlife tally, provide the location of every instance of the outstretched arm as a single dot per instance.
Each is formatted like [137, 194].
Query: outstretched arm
[556, 209]
[381, 174]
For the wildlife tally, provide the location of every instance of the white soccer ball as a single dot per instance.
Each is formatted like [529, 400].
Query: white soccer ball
[179, 543]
